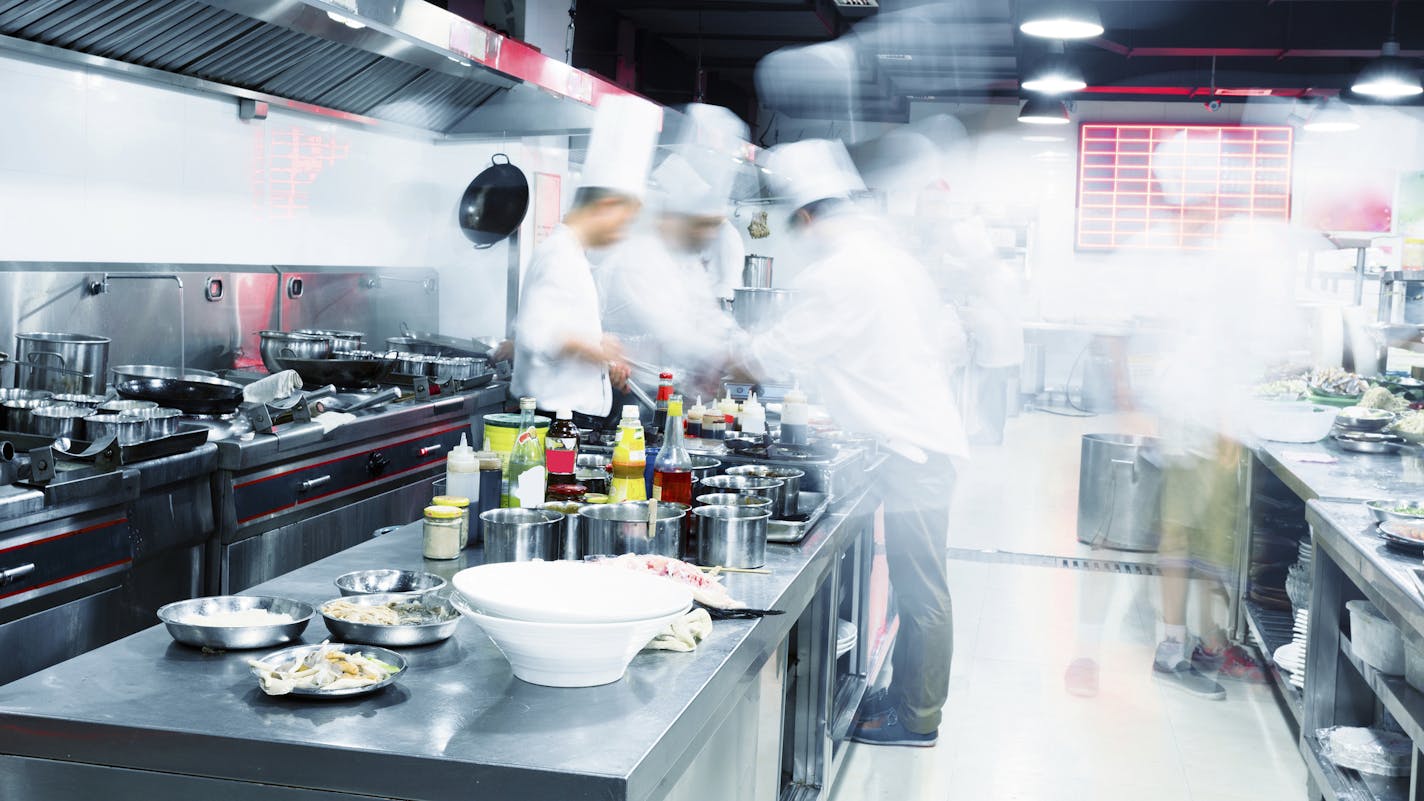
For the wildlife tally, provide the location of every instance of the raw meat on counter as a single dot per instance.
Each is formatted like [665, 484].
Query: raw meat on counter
[706, 590]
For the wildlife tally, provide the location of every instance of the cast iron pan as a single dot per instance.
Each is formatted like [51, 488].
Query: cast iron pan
[494, 204]
[194, 395]
[341, 372]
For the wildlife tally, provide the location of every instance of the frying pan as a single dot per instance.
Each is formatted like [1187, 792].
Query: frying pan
[193, 394]
[341, 372]
[494, 204]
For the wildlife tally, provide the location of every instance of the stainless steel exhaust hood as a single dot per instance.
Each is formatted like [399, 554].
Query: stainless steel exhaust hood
[402, 62]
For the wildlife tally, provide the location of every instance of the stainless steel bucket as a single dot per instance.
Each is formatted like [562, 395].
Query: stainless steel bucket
[570, 532]
[61, 363]
[521, 535]
[731, 536]
[704, 467]
[785, 502]
[1119, 490]
[756, 271]
[757, 309]
[615, 529]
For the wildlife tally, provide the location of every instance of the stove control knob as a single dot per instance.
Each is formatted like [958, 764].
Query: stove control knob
[376, 465]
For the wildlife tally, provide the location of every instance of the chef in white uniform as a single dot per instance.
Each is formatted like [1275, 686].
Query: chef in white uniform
[562, 357]
[864, 332]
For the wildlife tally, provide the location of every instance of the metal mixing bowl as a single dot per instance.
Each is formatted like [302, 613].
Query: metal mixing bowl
[406, 582]
[233, 637]
[394, 636]
[1384, 510]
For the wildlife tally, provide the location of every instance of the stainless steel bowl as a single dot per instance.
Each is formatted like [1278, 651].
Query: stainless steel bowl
[731, 536]
[1384, 510]
[404, 582]
[89, 401]
[786, 502]
[8, 394]
[276, 344]
[521, 535]
[59, 421]
[176, 617]
[127, 430]
[341, 341]
[1356, 418]
[19, 414]
[772, 489]
[121, 406]
[157, 423]
[733, 499]
[394, 636]
[704, 467]
[619, 528]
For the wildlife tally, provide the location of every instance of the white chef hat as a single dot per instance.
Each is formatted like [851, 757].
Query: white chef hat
[684, 190]
[812, 170]
[710, 142]
[620, 151]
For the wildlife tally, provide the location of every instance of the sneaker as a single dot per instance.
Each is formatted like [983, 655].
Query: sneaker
[1206, 661]
[890, 731]
[1238, 663]
[876, 704]
[1081, 678]
[1188, 679]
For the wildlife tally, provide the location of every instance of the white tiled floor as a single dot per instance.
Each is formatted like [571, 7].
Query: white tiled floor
[1011, 731]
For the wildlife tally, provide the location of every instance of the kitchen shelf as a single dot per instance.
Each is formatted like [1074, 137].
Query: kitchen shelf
[1272, 628]
[1405, 703]
[1335, 784]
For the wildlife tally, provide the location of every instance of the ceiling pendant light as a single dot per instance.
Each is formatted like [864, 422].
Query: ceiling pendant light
[1063, 19]
[1055, 74]
[1333, 116]
[1044, 111]
[1388, 77]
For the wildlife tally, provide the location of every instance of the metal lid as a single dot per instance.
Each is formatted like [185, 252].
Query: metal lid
[456, 501]
[442, 513]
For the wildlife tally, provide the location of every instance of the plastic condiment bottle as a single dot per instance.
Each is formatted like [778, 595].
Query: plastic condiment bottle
[462, 472]
[795, 418]
[630, 460]
[753, 417]
[694, 419]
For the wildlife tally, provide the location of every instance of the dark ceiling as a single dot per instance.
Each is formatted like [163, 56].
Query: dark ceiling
[961, 50]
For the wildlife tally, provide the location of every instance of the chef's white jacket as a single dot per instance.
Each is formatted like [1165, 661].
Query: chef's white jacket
[723, 260]
[559, 301]
[866, 333]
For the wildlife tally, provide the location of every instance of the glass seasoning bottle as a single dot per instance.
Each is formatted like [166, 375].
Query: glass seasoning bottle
[630, 459]
[441, 532]
[672, 472]
[665, 392]
[525, 477]
[463, 504]
[561, 447]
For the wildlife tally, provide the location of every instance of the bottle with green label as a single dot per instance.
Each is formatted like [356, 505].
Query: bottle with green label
[525, 477]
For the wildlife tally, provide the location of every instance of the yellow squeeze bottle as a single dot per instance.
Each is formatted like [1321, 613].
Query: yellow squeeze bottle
[630, 459]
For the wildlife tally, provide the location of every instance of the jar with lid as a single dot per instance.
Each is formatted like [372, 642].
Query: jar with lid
[461, 503]
[567, 493]
[442, 532]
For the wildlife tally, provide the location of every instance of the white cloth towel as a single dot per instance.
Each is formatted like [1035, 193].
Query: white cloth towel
[277, 385]
[685, 633]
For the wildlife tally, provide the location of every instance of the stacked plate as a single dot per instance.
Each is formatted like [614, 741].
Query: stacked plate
[846, 637]
[1290, 658]
[568, 624]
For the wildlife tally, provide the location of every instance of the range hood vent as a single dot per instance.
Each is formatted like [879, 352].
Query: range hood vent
[404, 62]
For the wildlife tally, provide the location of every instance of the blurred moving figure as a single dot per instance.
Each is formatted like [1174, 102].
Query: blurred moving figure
[661, 287]
[563, 358]
[865, 332]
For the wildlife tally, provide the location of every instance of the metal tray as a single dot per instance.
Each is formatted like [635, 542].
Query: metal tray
[188, 437]
[811, 504]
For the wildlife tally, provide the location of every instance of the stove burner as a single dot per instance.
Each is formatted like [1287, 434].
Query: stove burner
[211, 418]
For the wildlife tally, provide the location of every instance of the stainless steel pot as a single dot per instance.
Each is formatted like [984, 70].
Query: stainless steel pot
[19, 413]
[157, 423]
[733, 499]
[704, 467]
[570, 532]
[9, 394]
[341, 341]
[521, 535]
[88, 401]
[121, 406]
[771, 489]
[757, 309]
[59, 421]
[614, 529]
[1119, 487]
[127, 430]
[756, 272]
[58, 362]
[276, 344]
[786, 502]
[731, 536]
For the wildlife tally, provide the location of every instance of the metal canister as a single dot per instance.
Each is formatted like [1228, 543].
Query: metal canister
[756, 271]
[786, 502]
[731, 536]
[521, 535]
[619, 528]
[571, 545]
[61, 362]
[59, 421]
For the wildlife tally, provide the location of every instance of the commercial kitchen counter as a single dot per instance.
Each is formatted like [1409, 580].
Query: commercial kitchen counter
[146, 717]
[1351, 476]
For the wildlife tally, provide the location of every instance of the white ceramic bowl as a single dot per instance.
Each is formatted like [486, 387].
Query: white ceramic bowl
[567, 654]
[1291, 421]
[569, 592]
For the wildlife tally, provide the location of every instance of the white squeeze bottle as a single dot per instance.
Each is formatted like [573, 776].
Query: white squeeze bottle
[462, 473]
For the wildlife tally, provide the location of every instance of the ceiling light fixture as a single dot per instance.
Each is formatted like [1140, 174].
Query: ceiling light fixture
[1333, 116]
[1044, 111]
[1055, 74]
[1388, 77]
[1063, 19]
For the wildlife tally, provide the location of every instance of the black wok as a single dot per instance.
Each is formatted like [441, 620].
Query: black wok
[192, 394]
[341, 372]
[494, 204]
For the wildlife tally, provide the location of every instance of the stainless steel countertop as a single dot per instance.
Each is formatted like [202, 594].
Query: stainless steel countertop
[1346, 531]
[458, 720]
[1354, 476]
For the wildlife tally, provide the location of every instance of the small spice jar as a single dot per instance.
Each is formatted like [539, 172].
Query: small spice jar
[461, 503]
[442, 532]
[569, 493]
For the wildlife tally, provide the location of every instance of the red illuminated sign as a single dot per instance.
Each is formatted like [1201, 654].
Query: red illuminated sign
[1172, 186]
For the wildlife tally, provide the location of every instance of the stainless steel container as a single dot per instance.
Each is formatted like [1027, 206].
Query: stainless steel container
[88, 401]
[127, 430]
[772, 489]
[759, 309]
[413, 345]
[407, 583]
[8, 394]
[157, 423]
[731, 536]
[278, 344]
[444, 620]
[121, 406]
[570, 532]
[786, 502]
[58, 362]
[733, 499]
[1118, 493]
[614, 529]
[704, 467]
[521, 535]
[341, 341]
[756, 271]
[19, 413]
[59, 421]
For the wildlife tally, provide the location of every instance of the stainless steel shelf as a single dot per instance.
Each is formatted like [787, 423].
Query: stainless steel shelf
[1272, 629]
[1334, 784]
[1405, 703]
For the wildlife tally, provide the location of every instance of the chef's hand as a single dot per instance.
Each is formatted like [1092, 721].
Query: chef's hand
[618, 374]
[503, 353]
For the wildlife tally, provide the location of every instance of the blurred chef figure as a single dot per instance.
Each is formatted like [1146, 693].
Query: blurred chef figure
[864, 330]
[661, 287]
[562, 357]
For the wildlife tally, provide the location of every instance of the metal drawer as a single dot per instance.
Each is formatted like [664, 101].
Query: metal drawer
[60, 554]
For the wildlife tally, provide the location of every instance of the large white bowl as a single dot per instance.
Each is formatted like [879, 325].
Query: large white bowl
[1291, 421]
[570, 592]
[567, 654]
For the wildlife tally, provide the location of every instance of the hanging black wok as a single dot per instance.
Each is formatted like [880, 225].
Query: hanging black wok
[494, 204]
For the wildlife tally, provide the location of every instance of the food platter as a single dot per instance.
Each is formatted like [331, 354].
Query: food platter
[287, 656]
[1403, 536]
[422, 620]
